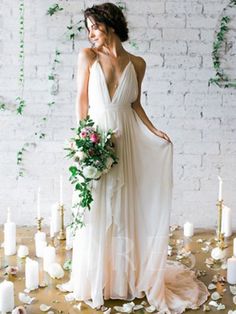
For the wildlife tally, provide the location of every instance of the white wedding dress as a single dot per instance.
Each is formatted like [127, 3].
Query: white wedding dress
[121, 253]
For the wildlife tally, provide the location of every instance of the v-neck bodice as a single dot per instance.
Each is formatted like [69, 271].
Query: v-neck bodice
[125, 93]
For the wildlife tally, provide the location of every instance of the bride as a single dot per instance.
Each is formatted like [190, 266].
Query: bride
[121, 253]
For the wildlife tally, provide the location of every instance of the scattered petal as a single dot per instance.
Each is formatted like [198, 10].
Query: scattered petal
[11, 270]
[138, 307]
[67, 265]
[174, 227]
[24, 298]
[108, 311]
[200, 240]
[220, 307]
[70, 297]
[150, 309]
[118, 309]
[128, 307]
[78, 306]
[205, 249]
[213, 303]
[218, 254]
[206, 308]
[144, 303]
[233, 289]
[44, 307]
[215, 296]
[27, 290]
[211, 286]
[43, 285]
[19, 310]
[224, 266]
[55, 271]
[215, 279]
[65, 287]
[104, 308]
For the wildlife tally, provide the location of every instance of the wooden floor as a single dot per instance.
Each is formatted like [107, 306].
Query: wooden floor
[53, 297]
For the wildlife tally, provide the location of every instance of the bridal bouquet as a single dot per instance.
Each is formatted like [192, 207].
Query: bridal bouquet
[92, 151]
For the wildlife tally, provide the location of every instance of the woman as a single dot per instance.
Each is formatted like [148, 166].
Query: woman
[121, 252]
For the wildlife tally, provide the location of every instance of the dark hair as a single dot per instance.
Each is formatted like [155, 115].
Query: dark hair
[110, 15]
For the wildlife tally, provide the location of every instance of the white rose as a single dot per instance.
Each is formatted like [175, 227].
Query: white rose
[91, 172]
[55, 271]
[109, 163]
[81, 155]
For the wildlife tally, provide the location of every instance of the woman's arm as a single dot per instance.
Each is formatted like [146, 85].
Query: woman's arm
[140, 67]
[84, 63]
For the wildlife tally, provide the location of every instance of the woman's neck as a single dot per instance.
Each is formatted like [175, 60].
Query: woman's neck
[114, 49]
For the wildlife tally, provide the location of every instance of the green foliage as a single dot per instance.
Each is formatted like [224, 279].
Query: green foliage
[93, 154]
[221, 79]
[54, 9]
[20, 105]
[2, 107]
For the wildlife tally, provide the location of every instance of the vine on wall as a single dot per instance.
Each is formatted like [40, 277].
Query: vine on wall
[221, 79]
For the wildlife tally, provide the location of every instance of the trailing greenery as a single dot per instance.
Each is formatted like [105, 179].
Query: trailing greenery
[54, 9]
[20, 100]
[221, 79]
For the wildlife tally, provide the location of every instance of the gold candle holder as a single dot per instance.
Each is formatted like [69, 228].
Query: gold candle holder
[220, 236]
[39, 223]
[62, 233]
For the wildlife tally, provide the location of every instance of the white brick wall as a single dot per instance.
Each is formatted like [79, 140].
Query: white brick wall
[175, 38]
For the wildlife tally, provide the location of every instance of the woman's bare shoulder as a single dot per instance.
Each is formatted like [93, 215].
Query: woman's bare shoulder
[139, 64]
[87, 55]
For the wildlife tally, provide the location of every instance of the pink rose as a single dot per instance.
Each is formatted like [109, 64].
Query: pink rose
[94, 138]
[83, 133]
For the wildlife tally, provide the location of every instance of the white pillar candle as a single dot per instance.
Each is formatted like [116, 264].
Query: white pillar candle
[188, 229]
[40, 243]
[226, 221]
[61, 190]
[55, 216]
[231, 270]
[31, 274]
[234, 247]
[220, 188]
[9, 236]
[49, 257]
[6, 296]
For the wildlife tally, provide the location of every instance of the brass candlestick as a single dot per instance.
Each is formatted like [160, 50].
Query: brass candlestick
[220, 236]
[62, 234]
[39, 223]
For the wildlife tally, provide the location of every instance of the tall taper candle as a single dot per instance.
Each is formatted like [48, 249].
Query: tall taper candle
[9, 236]
[61, 190]
[38, 204]
[220, 189]
[6, 296]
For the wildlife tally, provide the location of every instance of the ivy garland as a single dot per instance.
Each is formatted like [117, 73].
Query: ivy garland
[221, 79]
[54, 9]
[20, 100]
